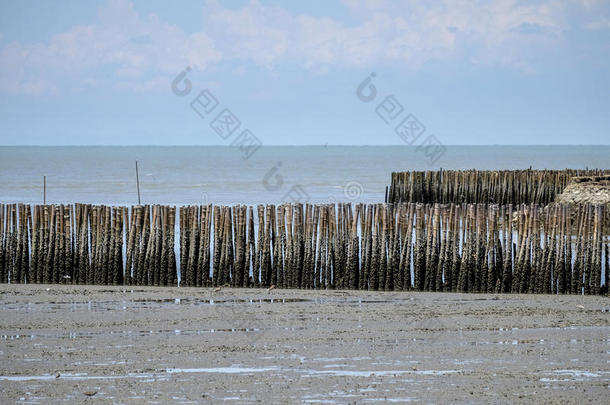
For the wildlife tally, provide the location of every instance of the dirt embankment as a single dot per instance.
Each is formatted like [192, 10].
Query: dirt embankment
[583, 190]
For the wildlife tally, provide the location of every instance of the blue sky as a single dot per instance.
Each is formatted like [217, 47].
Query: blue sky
[472, 72]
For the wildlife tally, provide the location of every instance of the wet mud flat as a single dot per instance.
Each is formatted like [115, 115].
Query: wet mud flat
[196, 345]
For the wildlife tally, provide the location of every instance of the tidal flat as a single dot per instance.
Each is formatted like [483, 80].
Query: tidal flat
[121, 344]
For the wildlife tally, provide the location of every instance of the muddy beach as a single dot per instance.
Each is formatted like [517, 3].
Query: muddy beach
[100, 344]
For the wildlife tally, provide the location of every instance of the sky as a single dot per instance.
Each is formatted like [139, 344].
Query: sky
[108, 72]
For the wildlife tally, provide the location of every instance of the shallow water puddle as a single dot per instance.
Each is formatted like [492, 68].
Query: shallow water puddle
[221, 370]
[149, 303]
[103, 306]
[164, 374]
[326, 398]
[137, 333]
[155, 375]
[377, 373]
[574, 375]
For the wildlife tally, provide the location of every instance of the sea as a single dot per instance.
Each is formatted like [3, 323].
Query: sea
[192, 175]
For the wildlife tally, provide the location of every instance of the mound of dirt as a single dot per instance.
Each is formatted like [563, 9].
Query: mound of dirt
[583, 190]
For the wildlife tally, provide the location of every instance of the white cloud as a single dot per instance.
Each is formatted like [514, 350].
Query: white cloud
[590, 4]
[128, 50]
[600, 24]
[407, 33]
[129, 47]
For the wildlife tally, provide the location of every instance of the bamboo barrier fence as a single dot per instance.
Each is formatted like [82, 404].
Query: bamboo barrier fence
[480, 186]
[525, 248]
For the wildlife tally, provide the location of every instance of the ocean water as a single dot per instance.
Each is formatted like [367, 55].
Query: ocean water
[181, 175]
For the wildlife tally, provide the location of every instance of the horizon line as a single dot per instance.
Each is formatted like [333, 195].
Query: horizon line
[285, 145]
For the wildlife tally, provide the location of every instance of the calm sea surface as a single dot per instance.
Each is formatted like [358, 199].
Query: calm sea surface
[197, 174]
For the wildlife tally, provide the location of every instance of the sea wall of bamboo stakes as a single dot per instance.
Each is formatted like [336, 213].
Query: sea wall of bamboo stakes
[480, 186]
[425, 247]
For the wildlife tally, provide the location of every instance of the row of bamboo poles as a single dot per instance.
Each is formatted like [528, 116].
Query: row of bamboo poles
[427, 247]
[87, 244]
[477, 186]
